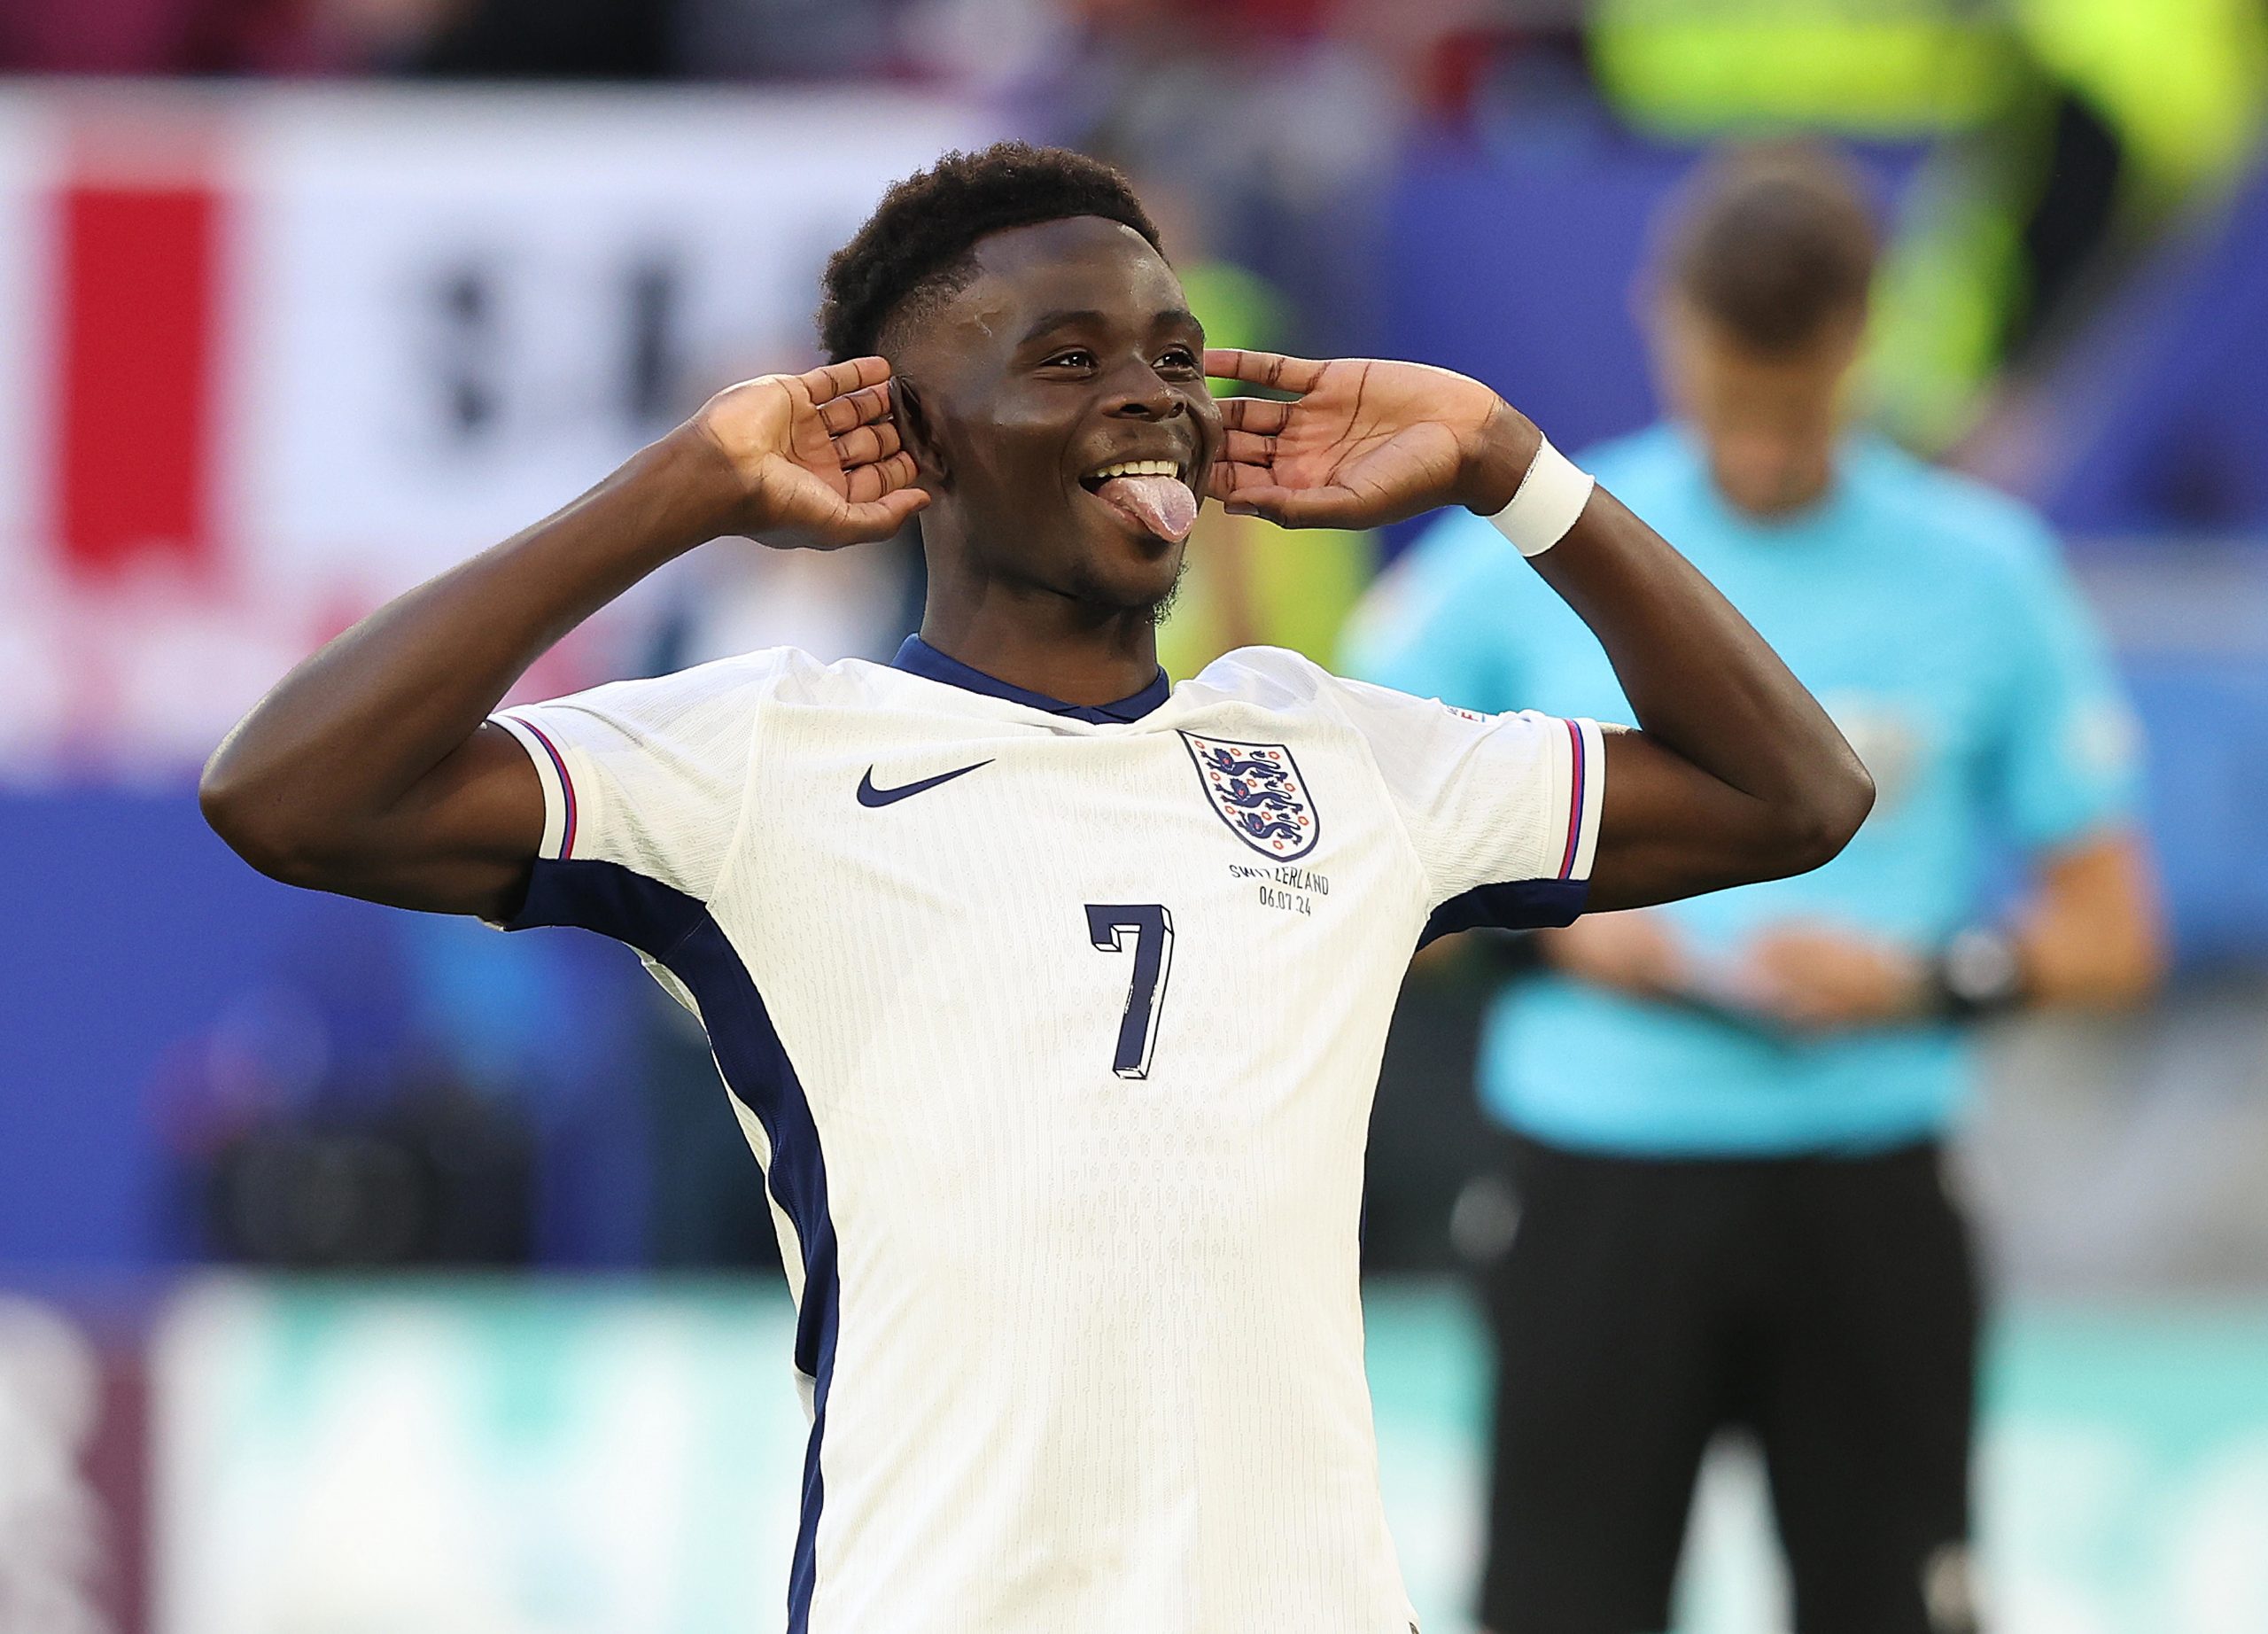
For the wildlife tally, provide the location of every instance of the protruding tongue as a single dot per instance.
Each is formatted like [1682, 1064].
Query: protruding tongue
[1164, 505]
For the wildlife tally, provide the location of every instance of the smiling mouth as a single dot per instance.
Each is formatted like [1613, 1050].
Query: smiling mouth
[1093, 480]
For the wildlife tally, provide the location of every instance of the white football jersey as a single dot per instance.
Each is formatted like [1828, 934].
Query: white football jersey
[1055, 1031]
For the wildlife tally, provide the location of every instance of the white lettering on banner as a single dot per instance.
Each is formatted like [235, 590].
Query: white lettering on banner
[459, 312]
[442, 315]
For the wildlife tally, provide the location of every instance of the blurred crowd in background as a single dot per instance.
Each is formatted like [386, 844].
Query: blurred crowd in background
[2062, 136]
[2069, 305]
[202, 1068]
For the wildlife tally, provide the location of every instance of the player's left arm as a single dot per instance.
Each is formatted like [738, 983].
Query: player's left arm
[1735, 774]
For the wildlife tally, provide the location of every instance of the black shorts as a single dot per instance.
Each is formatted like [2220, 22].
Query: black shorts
[1828, 1304]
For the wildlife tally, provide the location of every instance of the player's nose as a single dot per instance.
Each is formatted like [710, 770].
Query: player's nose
[1138, 392]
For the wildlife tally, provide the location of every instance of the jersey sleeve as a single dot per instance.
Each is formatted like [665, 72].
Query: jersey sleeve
[643, 786]
[1502, 810]
[2065, 753]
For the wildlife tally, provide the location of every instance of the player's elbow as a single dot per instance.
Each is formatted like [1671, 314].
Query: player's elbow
[1845, 808]
[1814, 827]
[259, 824]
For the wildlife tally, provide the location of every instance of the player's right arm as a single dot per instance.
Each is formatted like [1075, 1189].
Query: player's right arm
[1735, 774]
[370, 769]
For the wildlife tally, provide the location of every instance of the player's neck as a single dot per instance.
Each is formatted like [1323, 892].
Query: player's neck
[1059, 648]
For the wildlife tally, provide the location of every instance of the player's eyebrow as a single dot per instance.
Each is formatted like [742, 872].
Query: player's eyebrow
[1088, 317]
[1063, 319]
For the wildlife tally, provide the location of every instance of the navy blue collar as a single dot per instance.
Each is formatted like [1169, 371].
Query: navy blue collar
[919, 658]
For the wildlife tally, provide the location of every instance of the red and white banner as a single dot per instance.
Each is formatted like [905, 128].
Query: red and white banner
[268, 356]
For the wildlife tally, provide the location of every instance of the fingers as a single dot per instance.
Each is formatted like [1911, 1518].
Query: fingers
[864, 483]
[835, 380]
[1268, 369]
[863, 406]
[868, 445]
[1262, 415]
[1227, 476]
[1232, 481]
[880, 518]
[1249, 449]
[1326, 507]
[1221, 482]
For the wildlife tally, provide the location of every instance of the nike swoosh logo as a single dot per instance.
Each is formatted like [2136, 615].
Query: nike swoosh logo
[868, 794]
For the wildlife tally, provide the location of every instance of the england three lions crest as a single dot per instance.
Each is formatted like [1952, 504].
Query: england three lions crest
[1258, 791]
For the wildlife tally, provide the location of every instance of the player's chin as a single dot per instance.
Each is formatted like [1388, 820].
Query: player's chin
[1131, 574]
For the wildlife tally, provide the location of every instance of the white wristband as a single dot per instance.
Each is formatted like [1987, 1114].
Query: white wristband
[1549, 498]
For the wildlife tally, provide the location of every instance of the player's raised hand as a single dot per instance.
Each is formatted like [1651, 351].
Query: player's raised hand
[1363, 441]
[816, 455]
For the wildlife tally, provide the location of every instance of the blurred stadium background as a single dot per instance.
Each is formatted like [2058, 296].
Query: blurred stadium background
[364, 1273]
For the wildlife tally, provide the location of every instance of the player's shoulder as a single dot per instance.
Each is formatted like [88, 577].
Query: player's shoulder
[741, 677]
[1268, 677]
[731, 687]
[1280, 680]
[1276, 681]
[794, 676]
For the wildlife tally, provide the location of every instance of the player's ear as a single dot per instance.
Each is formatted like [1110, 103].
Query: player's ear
[916, 431]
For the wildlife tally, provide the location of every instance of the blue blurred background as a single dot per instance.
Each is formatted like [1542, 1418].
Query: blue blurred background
[302, 299]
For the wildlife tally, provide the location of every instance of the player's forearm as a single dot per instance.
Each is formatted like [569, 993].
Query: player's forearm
[345, 738]
[1702, 683]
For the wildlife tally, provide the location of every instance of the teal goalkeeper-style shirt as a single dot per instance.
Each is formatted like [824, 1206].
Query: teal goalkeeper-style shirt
[1933, 618]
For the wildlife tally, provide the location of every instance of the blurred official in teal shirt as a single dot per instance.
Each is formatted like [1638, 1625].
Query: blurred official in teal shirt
[1933, 618]
[1723, 1115]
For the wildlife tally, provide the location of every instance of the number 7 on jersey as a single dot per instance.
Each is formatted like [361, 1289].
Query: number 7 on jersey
[1109, 924]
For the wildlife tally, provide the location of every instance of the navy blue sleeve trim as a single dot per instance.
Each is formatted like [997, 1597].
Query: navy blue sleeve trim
[679, 933]
[1520, 904]
[607, 898]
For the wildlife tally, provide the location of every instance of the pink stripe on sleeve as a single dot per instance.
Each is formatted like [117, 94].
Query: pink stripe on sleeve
[566, 786]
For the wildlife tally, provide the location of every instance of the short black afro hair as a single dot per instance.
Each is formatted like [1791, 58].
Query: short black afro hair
[917, 243]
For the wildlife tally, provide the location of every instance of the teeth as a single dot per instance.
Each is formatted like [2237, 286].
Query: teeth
[1139, 468]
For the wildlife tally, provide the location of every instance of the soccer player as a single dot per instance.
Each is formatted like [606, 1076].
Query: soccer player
[1051, 998]
[1726, 1115]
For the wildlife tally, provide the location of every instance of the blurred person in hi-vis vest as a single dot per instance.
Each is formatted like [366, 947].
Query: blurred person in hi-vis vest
[1725, 1116]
